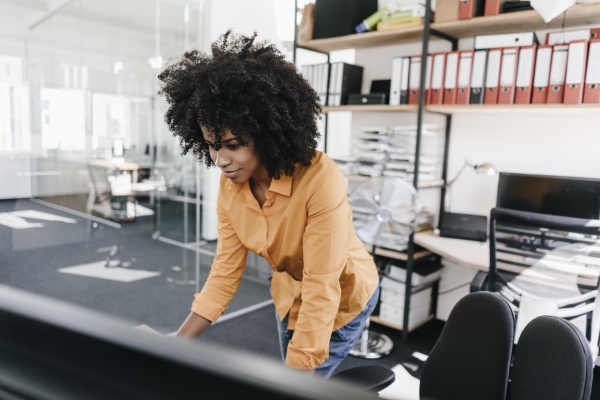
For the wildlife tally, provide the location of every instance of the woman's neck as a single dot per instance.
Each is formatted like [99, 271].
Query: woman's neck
[261, 180]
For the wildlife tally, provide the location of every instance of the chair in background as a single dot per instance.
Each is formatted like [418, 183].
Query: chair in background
[103, 200]
[553, 260]
[551, 362]
[471, 359]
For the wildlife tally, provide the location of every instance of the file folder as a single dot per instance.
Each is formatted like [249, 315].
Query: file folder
[428, 79]
[492, 7]
[525, 74]
[478, 77]
[396, 81]
[470, 8]
[562, 37]
[331, 96]
[404, 80]
[508, 75]
[415, 80]
[451, 77]
[576, 64]
[541, 80]
[591, 93]
[505, 40]
[437, 78]
[465, 66]
[492, 79]
[558, 73]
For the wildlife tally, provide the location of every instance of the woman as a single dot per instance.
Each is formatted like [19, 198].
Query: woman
[246, 110]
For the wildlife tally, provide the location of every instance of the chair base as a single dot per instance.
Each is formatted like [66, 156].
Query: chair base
[372, 345]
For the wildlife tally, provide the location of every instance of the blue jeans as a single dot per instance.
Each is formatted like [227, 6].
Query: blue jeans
[341, 342]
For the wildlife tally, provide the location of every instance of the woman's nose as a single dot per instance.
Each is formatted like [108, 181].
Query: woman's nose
[221, 160]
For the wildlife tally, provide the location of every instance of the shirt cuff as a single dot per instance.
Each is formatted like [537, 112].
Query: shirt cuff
[305, 359]
[207, 308]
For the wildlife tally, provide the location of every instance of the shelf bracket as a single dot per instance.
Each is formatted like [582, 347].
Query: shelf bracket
[444, 36]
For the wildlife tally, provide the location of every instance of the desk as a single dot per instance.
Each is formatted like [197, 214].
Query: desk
[467, 253]
[476, 255]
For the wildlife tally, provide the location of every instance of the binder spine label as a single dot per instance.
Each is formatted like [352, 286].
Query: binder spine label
[575, 63]
[542, 67]
[593, 70]
[524, 70]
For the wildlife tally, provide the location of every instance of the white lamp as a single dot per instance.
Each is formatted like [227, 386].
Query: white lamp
[480, 169]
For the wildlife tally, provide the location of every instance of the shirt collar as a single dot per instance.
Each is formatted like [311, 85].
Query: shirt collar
[282, 186]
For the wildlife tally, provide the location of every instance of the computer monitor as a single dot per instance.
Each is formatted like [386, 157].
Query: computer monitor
[562, 196]
[54, 350]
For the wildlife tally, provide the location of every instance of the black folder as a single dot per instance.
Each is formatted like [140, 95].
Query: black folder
[340, 17]
[477, 93]
[346, 79]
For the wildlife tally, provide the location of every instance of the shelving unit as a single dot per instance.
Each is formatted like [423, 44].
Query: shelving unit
[477, 109]
[578, 15]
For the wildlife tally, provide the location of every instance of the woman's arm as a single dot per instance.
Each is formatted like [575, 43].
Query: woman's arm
[193, 326]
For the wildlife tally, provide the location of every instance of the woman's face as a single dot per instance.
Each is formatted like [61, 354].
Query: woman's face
[238, 163]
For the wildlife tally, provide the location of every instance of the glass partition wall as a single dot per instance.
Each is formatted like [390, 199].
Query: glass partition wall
[97, 204]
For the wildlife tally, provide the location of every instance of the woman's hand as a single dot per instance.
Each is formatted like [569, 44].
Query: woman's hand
[193, 326]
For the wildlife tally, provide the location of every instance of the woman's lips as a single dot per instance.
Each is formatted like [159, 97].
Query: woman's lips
[231, 174]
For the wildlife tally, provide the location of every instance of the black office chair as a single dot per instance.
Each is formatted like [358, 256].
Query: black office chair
[552, 361]
[471, 359]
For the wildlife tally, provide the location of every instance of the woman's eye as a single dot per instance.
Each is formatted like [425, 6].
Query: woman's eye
[233, 146]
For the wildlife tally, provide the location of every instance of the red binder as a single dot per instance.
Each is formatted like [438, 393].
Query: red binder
[525, 74]
[541, 77]
[492, 7]
[465, 67]
[414, 80]
[451, 76]
[591, 93]
[492, 79]
[469, 8]
[558, 73]
[576, 64]
[508, 75]
[428, 91]
[437, 78]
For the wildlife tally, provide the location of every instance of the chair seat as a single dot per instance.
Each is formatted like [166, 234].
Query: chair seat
[369, 377]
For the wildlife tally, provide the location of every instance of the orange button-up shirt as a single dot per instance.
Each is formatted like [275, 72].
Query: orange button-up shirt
[323, 277]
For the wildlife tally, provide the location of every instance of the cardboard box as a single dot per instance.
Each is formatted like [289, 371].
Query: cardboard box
[446, 10]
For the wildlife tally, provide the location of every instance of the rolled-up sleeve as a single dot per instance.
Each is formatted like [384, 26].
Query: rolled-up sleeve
[226, 271]
[325, 252]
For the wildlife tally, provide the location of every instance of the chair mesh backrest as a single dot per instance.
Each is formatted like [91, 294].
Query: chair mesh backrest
[552, 361]
[471, 359]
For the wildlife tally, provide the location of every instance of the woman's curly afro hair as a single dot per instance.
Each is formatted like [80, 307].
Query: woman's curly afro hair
[249, 88]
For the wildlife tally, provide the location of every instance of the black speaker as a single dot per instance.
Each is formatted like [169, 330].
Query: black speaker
[339, 17]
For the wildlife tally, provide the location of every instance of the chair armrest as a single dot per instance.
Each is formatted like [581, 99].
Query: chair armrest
[479, 282]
